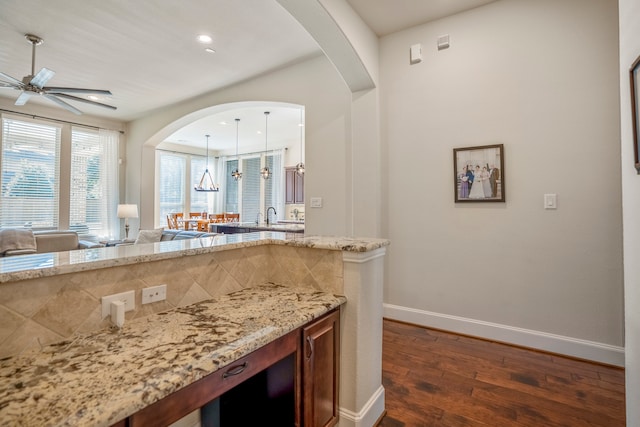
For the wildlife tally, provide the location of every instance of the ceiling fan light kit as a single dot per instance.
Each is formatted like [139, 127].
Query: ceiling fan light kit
[34, 84]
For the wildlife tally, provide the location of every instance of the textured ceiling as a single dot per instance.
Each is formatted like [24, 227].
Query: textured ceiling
[145, 51]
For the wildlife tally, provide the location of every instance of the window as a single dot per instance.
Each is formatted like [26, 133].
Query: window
[94, 182]
[250, 204]
[30, 174]
[231, 189]
[177, 175]
[257, 194]
[171, 174]
[199, 200]
[31, 177]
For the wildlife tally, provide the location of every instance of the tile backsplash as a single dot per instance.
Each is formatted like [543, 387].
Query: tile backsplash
[41, 311]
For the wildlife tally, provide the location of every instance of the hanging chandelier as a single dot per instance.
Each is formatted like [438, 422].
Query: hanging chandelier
[265, 172]
[236, 174]
[206, 182]
[300, 166]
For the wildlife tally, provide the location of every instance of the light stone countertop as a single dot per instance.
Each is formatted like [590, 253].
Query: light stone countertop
[100, 378]
[23, 267]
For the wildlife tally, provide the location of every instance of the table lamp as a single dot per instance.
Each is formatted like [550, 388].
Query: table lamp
[126, 212]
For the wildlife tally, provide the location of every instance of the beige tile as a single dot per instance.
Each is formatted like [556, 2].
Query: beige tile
[66, 311]
[30, 335]
[28, 296]
[9, 322]
[310, 257]
[194, 294]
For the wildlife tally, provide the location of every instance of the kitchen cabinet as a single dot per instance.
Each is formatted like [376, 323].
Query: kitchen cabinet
[294, 187]
[320, 371]
[290, 381]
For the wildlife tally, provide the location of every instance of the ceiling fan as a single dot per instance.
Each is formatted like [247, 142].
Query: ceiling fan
[34, 84]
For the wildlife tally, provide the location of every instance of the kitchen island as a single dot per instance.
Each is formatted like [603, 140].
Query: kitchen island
[46, 299]
[251, 227]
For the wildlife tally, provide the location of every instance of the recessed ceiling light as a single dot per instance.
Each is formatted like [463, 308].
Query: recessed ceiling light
[223, 123]
[209, 50]
[94, 98]
[203, 38]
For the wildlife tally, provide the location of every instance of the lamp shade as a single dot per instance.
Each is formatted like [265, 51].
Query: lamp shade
[127, 211]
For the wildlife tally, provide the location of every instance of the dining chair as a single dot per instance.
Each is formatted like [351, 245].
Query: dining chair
[216, 217]
[171, 222]
[232, 217]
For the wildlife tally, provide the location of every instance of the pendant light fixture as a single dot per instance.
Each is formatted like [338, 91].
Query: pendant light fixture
[265, 172]
[206, 182]
[300, 166]
[236, 174]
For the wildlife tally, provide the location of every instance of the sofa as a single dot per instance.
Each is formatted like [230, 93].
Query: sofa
[184, 234]
[42, 241]
[164, 235]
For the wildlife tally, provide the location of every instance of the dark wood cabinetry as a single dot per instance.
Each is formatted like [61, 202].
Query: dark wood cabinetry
[320, 371]
[294, 188]
[290, 381]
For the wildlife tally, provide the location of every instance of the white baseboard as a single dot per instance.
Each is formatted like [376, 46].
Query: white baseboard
[574, 347]
[367, 416]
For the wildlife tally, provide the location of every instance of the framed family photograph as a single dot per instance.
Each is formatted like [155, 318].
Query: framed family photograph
[479, 173]
[635, 111]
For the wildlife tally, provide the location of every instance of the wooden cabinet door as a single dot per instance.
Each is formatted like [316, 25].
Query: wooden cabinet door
[290, 185]
[298, 196]
[321, 340]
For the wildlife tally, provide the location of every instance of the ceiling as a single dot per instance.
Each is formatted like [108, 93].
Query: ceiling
[388, 16]
[146, 51]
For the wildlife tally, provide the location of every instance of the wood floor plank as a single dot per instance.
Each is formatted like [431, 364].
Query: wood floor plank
[435, 378]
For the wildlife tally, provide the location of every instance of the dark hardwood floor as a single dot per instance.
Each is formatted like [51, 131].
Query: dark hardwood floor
[435, 378]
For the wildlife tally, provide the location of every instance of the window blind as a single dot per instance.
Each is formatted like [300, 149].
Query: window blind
[94, 182]
[231, 187]
[199, 200]
[250, 189]
[171, 183]
[30, 180]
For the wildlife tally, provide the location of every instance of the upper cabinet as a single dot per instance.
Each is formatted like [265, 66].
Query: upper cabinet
[294, 190]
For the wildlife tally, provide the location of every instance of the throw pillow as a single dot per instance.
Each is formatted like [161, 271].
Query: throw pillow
[149, 236]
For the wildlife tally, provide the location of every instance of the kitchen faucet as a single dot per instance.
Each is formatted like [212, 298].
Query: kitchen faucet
[267, 214]
[258, 218]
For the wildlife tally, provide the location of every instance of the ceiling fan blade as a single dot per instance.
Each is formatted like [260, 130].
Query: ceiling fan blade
[63, 104]
[23, 98]
[56, 90]
[11, 80]
[88, 101]
[43, 76]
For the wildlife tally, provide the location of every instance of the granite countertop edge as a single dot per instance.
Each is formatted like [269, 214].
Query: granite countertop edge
[24, 267]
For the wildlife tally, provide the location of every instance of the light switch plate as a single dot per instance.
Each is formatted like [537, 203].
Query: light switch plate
[316, 202]
[550, 201]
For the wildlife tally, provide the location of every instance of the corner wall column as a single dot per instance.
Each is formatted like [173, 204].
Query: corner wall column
[361, 391]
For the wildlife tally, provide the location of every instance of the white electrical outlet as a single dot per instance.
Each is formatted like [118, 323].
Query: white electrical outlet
[154, 294]
[129, 299]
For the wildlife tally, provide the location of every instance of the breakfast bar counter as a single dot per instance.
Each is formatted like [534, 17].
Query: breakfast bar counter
[100, 378]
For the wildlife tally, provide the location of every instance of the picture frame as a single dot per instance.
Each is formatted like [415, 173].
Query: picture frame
[482, 167]
[635, 111]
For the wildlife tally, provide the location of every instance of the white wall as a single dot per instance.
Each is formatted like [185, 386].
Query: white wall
[540, 77]
[629, 51]
[313, 83]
